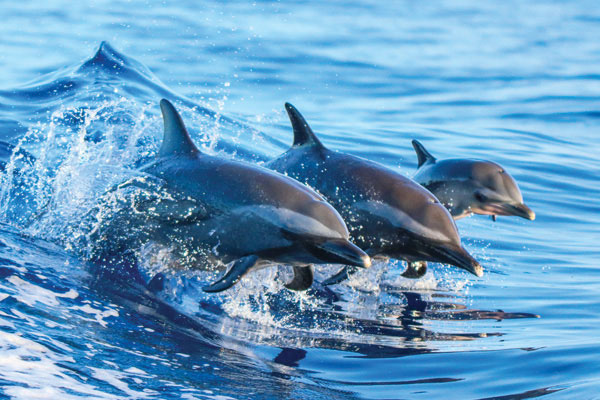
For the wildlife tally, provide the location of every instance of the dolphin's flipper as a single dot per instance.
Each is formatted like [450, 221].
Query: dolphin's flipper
[341, 276]
[303, 135]
[415, 270]
[236, 272]
[424, 157]
[176, 137]
[303, 278]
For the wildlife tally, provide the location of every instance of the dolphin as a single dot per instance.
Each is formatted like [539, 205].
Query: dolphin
[387, 213]
[209, 210]
[467, 186]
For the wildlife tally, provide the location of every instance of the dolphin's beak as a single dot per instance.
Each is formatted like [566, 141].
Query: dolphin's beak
[459, 257]
[509, 209]
[340, 251]
[519, 210]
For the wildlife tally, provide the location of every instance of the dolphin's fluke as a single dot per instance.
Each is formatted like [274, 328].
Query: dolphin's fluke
[176, 137]
[341, 276]
[303, 278]
[423, 155]
[303, 134]
[236, 272]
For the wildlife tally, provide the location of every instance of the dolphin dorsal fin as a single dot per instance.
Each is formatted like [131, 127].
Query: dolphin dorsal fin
[423, 155]
[176, 137]
[303, 135]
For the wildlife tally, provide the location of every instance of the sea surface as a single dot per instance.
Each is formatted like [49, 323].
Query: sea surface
[517, 82]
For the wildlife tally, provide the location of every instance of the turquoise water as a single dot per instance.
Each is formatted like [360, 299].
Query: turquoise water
[515, 82]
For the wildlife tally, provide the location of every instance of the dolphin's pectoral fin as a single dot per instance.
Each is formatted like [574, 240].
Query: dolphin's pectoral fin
[233, 275]
[415, 270]
[423, 156]
[303, 278]
[341, 276]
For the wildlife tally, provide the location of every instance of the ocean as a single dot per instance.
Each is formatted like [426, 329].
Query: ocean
[513, 82]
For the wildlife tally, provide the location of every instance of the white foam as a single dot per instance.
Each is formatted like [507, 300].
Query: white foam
[30, 294]
[36, 372]
[98, 314]
[116, 379]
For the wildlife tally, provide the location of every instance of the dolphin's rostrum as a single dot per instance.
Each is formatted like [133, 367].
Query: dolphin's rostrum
[467, 186]
[387, 213]
[210, 210]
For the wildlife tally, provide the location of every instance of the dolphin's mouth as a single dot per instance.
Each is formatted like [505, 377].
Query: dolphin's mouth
[340, 251]
[458, 257]
[519, 210]
[508, 209]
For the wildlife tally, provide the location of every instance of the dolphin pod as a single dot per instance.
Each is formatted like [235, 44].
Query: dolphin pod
[214, 210]
[467, 186]
[387, 213]
[211, 210]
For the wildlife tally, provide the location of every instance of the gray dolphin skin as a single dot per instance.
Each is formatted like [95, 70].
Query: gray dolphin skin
[211, 210]
[387, 214]
[467, 186]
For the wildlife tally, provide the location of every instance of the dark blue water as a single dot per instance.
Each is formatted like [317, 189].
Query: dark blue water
[515, 82]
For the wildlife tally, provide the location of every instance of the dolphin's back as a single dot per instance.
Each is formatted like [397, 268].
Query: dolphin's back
[350, 178]
[352, 183]
[215, 180]
[458, 169]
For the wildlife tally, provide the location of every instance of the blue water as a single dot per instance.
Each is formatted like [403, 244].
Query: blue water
[514, 82]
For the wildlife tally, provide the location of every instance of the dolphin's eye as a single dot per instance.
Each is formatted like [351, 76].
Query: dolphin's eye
[480, 197]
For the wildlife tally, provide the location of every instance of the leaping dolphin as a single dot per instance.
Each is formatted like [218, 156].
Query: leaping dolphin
[210, 209]
[467, 186]
[387, 213]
